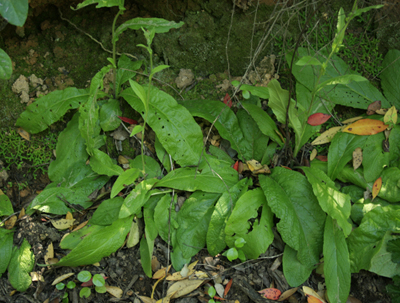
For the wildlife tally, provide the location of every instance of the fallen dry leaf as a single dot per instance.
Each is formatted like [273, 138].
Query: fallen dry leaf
[228, 287]
[62, 278]
[49, 253]
[313, 154]
[312, 296]
[21, 213]
[147, 299]
[373, 107]
[114, 291]
[365, 127]
[69, 216]
[287, 294]
[62, 224]
[327, 135]
[376, 187]
[24, 134]
[83, 224]
[357, 158]
[318, 119]
[9, 224]
[183, 287]
[159, 274]
[270, 293]
[351, 120]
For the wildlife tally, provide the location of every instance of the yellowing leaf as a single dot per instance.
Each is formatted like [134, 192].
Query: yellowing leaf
[62, 223]
[357, 158]
[376, 187]
[183, 287]
[69, 216]
[178, 275]
[313, 154]
[159, 274]
[327, 135]
[390, 116]
[24, 134]
[254, 165]
[351, 120]
[9, 224]
[365, 127]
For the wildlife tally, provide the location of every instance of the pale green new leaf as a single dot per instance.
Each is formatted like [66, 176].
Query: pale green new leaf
[345, 79]
[136, 198]
[258, 235]
[5, 65]
[216, 229]
[225, 119]
[128, 177]
[99, 244]
[102, 164]
[6, 247]
[158, 69]
[336, 263]
[340, 31]
[14, 11]
[366, 241]
[180, 135]
[50, 108]
[291, 198]
[193, 219]
[332, 201]
[264, 121]
[70, 151]
[341, 151]
[157, 24]
[308, 60]
[374, 157]
[21, 264]
[295, 272]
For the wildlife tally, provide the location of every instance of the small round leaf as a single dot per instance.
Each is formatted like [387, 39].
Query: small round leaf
[85, 292]
[84, 276]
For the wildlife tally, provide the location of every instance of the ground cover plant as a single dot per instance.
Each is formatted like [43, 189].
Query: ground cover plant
[311, 202]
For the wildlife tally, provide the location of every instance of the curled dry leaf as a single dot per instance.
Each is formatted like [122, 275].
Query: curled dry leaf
[327, 135]
[62, 278]
[373, 107]
[287, 294]
[376, 188]
[318, 119]
[313, 154]
[365, 127]
[357, 158]
[159, 274]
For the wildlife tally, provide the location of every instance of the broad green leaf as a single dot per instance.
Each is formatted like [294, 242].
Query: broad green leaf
[158, 69]
[258, 235]
[308, 60]
[98, 244]
[216, 229]
[177, 259]
[279, 102]
[361, 207]
[126, 178]
[136, 198]
[393, 247]
[220, 154]
[148, 215]
[126, 70]
[102, 164]
[390, 77]
[295, 272]
[50, 108]
[353, 94]
[107, 212]
[101, 3]
[14, 11]
[153, 169]
[74, 238]
[264, 121]
[390, 189]
[6, 208]
[382, 263]
[193, 219]
[366, 241]
[161, 217]
[336, 263]
[109, 113]
[159, 25]
[89, 124]
[190, 179]
[254, 141]
[146, 253]
[374, 158]
[332, 201]
[5, 66]
[162, 155]
[6, 247]
[21, 264]
[345, 79]
[341, 151]
[291, 198]
[70, 151]
[175, 127]
[258, 91]
[225, 119]
[394, 154]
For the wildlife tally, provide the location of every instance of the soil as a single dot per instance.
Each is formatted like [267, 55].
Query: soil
[56, 52]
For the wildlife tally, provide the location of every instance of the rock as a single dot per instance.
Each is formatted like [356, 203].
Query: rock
[35, 81]
[21, 85]
[185, 78]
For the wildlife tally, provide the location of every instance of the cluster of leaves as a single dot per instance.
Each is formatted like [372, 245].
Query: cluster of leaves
[15, 12]
[19, 152]
[315, 214]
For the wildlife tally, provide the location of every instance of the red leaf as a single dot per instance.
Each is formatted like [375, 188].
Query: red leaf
[270, 293]
[227, 100]
[318, 119]
[127, 120]
[228, 286]
[322, 158]
[236, 166]
[88, 283]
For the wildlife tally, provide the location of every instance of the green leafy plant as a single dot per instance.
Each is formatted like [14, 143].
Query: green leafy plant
[235, 252]
[315, 215]
[15, 12]
[211, 292]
